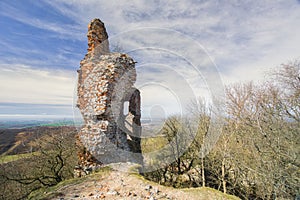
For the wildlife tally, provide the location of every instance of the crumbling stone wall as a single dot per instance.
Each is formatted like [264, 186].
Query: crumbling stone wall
[105, 84]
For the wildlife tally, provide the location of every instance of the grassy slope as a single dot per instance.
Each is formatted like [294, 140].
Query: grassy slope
[17, 141]
[192, 193]
[195, 193]
[207, 193]
[10, 158]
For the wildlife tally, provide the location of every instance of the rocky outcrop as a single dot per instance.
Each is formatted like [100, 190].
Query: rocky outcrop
[105, 93]
[97, 38]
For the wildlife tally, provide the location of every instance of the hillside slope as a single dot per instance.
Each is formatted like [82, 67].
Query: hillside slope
[17, 141]
[117, 182]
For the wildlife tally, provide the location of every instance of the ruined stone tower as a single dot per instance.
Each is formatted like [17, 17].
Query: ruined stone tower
[108, 102]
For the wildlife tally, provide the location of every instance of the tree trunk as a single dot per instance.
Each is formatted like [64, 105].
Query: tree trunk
[223, 176]
[202, 170]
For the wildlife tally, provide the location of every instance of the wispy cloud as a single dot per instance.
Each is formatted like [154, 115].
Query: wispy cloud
[41, 22]
[34, 35]
[23, 84]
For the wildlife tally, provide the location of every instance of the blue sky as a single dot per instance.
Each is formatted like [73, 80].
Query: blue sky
[42, 43]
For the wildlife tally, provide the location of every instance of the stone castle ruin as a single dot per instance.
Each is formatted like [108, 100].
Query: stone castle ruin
[109, 103]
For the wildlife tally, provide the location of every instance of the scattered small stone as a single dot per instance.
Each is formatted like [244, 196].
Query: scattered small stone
[149, 193]
[130, 193]
[168, 197]
[156, 190]
[148, 187]
[76, 196]
[91, 194]
[112, 192]
[152, 198]
[163, 196]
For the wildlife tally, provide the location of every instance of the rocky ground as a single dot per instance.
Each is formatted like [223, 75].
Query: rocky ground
[118, 183]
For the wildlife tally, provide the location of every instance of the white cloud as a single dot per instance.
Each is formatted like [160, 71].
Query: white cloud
[24, 84]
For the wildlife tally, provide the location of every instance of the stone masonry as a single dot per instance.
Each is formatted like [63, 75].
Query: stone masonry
[109, 104]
